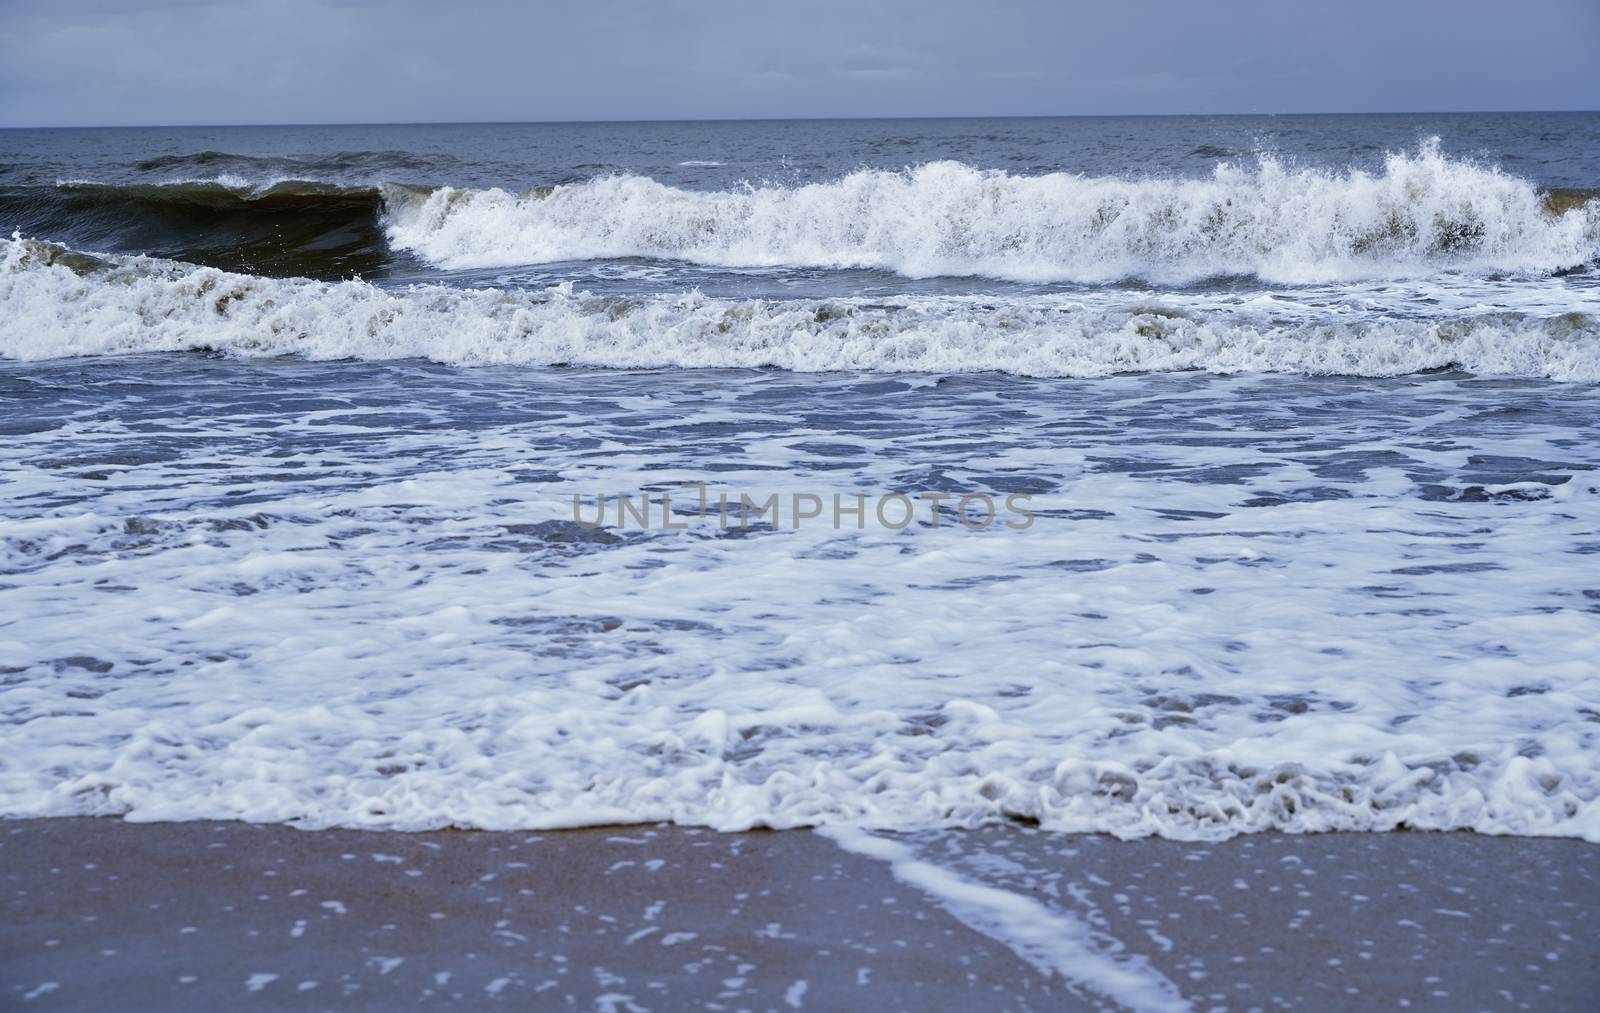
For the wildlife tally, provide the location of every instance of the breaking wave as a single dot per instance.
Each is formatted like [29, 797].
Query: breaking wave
[288, 227]
[1422, 214]
[63, 303]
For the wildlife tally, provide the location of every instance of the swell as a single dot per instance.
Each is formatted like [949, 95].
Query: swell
[1424, 213]
[62, 303]
[212, 163]
[287, 228]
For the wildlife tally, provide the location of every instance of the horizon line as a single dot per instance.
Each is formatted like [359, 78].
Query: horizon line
[782, 119]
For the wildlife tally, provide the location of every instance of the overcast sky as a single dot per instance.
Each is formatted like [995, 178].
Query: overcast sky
[343, 61]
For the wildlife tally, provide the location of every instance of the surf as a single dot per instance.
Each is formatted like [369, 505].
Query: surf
[63, 302]
[1423, 214]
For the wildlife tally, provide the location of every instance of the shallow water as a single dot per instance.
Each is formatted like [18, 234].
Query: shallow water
[275, 590]
[1293, 473]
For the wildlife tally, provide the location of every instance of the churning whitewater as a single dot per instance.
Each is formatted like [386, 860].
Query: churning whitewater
[298, 432]
[1424, 213]
[361, 598]
[64, 303]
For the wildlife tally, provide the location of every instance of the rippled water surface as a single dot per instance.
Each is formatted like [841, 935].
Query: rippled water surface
[1289, 427]
[358, 595]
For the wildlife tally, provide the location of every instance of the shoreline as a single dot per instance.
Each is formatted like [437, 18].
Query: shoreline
[194, 915]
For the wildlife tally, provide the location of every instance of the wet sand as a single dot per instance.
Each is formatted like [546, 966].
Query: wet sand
[103, 914]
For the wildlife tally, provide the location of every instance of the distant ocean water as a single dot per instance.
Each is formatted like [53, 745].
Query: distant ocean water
[1303, 412]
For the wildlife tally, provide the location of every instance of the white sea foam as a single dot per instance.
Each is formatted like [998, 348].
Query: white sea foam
[222, 181]
[1423, 213]
[350, 596]
[1052, 940]
[118, 305]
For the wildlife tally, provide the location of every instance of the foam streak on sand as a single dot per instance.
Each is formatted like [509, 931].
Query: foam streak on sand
[1422, 214]
[1054, 941]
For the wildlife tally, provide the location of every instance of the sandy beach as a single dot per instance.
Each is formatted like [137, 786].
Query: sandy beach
[765, 507]
[200, 915]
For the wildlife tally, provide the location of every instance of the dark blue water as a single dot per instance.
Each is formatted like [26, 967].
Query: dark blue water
[1551, 149]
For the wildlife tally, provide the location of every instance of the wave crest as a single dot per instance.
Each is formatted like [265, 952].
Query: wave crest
[61, 303]
[1424, 212]
[269, 166]
[287, 227]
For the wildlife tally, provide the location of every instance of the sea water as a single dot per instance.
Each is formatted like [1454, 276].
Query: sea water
[1170, 476]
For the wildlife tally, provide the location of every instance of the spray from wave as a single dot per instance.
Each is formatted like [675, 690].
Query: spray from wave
[62, 303]
[1423, 213]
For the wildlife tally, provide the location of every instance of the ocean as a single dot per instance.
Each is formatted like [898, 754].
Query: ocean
[1151, 476]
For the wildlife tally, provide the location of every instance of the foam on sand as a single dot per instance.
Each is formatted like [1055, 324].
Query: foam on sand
[1054, 941]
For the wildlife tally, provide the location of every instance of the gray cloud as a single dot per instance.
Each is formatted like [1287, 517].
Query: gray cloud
[277, 61]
